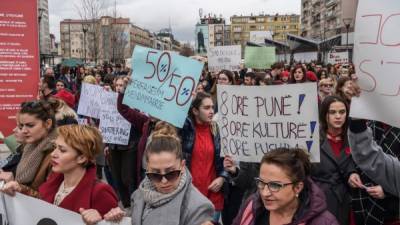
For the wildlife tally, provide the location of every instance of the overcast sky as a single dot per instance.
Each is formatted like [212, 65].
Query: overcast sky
[183, 14]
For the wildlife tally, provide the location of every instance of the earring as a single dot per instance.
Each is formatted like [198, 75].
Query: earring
[297, 195]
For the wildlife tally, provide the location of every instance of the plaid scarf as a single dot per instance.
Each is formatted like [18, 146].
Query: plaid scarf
[370, 211]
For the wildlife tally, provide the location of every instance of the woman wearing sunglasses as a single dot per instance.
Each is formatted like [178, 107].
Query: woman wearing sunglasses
[286, 194]
[167, 196]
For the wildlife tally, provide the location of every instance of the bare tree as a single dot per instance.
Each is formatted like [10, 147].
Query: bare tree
[91, 11]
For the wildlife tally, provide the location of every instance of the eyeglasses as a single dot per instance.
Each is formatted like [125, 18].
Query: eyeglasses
[326, 85]
[272, 186]
[170, 176]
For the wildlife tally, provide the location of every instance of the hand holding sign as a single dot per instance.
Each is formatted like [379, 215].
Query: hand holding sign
[254, 121]
[162, 84]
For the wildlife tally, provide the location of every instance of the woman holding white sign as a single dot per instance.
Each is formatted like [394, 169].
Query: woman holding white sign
[73, 184]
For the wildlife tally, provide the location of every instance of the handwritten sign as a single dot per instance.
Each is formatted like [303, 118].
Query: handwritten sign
[256, 120]
[23, 209]
[114, 128]
[224, 57]
[90, 100]
[377, 61]
[162, 84]
[338, 57]
[259, 57]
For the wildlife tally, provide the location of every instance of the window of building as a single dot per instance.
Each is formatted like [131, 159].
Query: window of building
[260, 19]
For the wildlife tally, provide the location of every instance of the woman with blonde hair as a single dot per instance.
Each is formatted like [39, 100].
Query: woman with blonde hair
[167, 189]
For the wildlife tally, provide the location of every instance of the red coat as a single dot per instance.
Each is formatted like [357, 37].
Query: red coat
[88, 194]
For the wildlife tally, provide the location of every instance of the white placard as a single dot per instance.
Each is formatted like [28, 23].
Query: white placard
[338, 57]
[259, 37]
[22, 210]
[114, 128]
[89, 101]
[255, 120]
[224, 57]
[377, 61]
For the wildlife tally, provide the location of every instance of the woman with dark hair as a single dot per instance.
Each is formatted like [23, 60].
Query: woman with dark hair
[37, 122]
[298, 75]
[286, 194]
[201, 148]
[336, 169]
[73, 184]
[167, 196]
[224, 77]
[347, 88]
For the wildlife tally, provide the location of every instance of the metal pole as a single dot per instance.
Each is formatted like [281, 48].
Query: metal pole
[347, 43]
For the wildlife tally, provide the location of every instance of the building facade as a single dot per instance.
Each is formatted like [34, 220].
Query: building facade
[140, 36]
[44, 33]
[210, 32]
[323, 19]
[277, 26]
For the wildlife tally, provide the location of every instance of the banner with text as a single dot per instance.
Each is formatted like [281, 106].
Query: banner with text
[90, 100]
[255, 120]
[19, 58]
[162, 84]
[259, 37]
[98, 103]
[114, 128]
[259, 57]
[377, 61]
[338, 57]
[23, 209]
[224, 57]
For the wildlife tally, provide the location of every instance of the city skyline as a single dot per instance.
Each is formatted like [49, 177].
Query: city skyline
[182, 22]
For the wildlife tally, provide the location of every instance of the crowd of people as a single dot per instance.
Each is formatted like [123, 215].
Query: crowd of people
[170, 176]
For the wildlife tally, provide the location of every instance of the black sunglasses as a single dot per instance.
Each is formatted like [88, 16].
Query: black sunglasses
[170, 176]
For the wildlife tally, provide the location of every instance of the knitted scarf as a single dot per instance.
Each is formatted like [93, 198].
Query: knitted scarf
[153, 198]
[32, 156]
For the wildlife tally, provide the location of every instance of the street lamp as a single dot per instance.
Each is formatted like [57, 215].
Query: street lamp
[84, 29]
[347, 22]
[40, 15]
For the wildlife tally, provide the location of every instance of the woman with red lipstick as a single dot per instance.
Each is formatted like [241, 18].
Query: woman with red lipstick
[73, 184]
[336, 171]
[286, 194]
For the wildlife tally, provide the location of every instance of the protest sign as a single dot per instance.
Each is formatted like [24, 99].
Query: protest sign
[224, 57]
[259, 57]
[114, 128]
[19, 58]
[90, 100]
[22, 209]
[162, 84]
[376, 60]
[259, 37]
[338, 57]
[255, 120]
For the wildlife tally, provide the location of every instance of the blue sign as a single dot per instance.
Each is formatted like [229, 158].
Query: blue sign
[162, 84]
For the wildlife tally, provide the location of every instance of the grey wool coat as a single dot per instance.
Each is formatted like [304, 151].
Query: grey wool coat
[188, 207]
